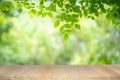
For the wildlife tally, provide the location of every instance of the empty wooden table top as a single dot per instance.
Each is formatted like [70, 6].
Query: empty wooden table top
[60, 72]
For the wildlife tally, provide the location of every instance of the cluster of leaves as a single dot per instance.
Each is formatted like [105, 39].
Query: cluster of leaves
[69, 11]
[6, 7]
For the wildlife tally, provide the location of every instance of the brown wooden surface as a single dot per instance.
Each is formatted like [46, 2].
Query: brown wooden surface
[60, 72]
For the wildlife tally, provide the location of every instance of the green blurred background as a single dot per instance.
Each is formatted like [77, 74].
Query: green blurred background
[25, 40]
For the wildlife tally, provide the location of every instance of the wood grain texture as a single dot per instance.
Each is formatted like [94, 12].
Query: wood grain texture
[60, 72]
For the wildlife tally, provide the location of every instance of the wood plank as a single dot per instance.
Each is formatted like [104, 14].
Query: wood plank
[60, 72]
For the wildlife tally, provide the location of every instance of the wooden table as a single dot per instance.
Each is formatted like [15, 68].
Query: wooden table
[60, 72]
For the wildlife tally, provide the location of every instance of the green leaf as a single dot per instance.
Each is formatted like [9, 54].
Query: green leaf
[85, 13]
[62, 16]
[66, 36]
[51, 8]
[72, 18]
[27, 6]
[75, 15]
[61, 29]
[33, 11]
[19, 5]
[67, 26]
[20, 10]
[66, 31]
[77, 9]
[49, 14]
[57, 23]
[43, 14]
[77, 26]
[60, 4]
[41, 2]
[96, 13]
[67, 6]
[73, 2]
[102, 8]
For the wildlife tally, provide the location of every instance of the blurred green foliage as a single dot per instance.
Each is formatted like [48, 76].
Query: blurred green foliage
[34, 41]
